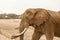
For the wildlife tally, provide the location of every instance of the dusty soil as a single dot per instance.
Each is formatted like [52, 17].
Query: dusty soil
[9, 27]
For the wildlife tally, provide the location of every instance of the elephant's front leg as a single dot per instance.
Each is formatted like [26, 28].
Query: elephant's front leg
[49, 34]
[36, 35]
[49, 31]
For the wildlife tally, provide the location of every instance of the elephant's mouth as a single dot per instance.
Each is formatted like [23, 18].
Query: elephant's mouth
[17, 35]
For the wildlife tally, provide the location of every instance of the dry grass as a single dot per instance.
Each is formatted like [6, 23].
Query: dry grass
[8, 27]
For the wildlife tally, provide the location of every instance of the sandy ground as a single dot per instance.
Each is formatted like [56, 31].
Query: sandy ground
[9, 27]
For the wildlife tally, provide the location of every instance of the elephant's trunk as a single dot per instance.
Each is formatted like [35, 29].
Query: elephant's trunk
[22, 29]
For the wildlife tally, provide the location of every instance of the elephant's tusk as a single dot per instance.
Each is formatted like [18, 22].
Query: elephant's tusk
[17, 35]
[23, 31]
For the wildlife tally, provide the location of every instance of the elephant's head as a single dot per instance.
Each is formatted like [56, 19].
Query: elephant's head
[24, 24]
[29, 15]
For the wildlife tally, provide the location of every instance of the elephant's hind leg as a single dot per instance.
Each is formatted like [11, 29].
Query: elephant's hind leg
[36, 35]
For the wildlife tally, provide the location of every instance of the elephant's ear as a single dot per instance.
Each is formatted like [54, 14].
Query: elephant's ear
[30, 13]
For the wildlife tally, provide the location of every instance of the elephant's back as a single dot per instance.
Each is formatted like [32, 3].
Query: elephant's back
[55, 16]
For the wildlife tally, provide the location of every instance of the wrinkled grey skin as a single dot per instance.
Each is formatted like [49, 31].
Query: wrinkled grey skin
[44, 21]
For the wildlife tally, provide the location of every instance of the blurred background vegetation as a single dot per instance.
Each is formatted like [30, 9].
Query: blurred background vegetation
[10, 16]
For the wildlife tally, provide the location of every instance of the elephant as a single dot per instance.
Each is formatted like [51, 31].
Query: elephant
[43, 21]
